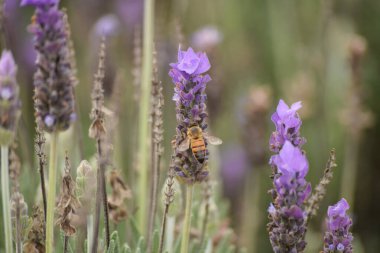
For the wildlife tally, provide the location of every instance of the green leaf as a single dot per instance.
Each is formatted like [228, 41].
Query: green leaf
[177, 246]
[115, 238]
[140, 247]
[156, 241]
[208, 248]
[126, 249]
[85, 246]
[135, 231]
[224, 244]
[204, 246]
[111, 248]
[231, 249]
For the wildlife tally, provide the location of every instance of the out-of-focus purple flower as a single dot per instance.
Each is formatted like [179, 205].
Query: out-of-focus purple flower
[39, 2]
[234, 166]
[188, 75]
[107, 26]
[53, 80]
[9, 100]
[131, 13]
[287, 226]
[338, 236]
[288, 123]
[206, 38]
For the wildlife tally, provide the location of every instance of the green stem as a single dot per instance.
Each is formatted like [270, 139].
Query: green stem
[187, 221]
[90, 231]
[51, 193]
[6, 200]
[146, 81]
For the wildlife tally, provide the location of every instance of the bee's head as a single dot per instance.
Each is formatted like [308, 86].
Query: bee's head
[194, 131]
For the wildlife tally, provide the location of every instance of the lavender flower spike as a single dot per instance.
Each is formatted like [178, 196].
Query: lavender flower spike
[288, 123]
[338, 237]
[188, 75]
[53, 80]
[9, 100]
[287, 214]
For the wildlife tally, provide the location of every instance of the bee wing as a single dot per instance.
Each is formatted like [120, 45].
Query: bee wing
[212, 139]
[184, 145]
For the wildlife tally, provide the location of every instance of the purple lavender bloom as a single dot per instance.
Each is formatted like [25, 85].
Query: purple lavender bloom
[288, 123]
[189, 78]
[192, 63]
[287, 213]
[338, 238]
[53, 80]
[9, 100]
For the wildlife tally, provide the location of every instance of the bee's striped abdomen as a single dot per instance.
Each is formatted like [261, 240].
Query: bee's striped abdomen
[198, 148]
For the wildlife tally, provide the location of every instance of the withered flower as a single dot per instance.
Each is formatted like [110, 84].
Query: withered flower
[68, 202]
[120, 192]
[36, 237]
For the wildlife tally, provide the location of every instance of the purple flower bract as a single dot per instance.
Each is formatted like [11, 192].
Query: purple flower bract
[287, 124]
[338, 237]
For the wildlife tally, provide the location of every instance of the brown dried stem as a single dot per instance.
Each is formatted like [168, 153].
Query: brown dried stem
[98, 131]
[169, 197]
[157, 149]
[39, 147]
[320, 190]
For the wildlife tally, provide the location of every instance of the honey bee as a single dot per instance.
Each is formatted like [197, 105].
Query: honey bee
[196, 141]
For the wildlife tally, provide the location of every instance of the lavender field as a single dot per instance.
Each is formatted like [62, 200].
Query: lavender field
[163, 126]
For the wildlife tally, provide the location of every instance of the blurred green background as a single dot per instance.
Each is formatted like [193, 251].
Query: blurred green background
[298, 50]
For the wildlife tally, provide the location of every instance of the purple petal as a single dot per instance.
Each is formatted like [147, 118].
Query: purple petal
[204, 65]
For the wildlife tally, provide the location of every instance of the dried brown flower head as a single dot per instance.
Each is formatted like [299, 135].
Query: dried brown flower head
[97, 129]
[68, 202]
[120, 192]
[36, 239]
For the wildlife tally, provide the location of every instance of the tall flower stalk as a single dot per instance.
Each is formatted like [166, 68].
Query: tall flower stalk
[287, 226]
[157, 150]
[190, 165]
[187, 220]
[9, 114]
[146, 81]
[97, 131]
[54, 85]
[6, 199]
[39, 147]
